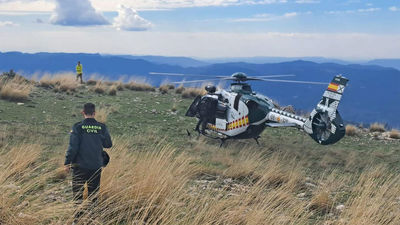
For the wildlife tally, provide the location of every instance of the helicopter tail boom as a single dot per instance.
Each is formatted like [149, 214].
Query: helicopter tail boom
[325, 124]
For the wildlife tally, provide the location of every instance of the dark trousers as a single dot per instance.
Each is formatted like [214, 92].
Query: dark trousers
[79, 76]
[80, 176]
[203, 121]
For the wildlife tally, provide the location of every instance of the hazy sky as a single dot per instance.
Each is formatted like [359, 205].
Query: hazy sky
[347, 29]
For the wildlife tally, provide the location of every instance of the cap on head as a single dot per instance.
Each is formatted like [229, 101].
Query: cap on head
[89, 109]
[210, 88]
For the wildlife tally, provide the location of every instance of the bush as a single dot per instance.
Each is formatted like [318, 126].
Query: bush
[112, 91]
[135, 86]
[193, 92]
[164, 89]
[59, 82]
[99, 88]
[395, 134]
[16, 89]
[91, 82]
[377, 127]
[351, 130]
[179, 90]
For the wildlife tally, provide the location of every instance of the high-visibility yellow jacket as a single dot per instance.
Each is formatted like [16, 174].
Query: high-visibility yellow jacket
[79, 69]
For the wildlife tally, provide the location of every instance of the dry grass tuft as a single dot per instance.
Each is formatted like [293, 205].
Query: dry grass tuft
[91, 82]
[113, 90]
[165, 87]
[135, 86]
[99, 88]
[395, 134]
[351, 130]
[377, 127]
[102, 114]
[180, 89]
[321, 202]
[15, 89]
[193, 92]
[60, 82]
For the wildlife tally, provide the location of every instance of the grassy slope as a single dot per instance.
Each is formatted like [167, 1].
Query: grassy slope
[144, 121]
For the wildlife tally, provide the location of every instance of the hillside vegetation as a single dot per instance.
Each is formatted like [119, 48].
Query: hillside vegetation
[159, 175]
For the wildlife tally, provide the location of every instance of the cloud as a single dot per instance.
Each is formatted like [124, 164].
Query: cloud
[394, 9]
[76, 13]
[368, 10]
[7, 24]
[267, 17]
[128, 19]
[307, 1]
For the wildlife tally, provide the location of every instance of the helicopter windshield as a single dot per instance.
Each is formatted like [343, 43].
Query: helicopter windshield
[241, 88]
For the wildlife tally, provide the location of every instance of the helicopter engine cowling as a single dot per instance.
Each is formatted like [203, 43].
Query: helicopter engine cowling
[325, 125]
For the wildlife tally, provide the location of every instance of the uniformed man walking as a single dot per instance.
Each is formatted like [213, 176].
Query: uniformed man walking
[85, 155]
[79, 72]
[207, 107]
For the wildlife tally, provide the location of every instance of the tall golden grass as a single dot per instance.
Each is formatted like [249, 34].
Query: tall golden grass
[351, 130]
[160, 185]
[137, 86]
[377, 127]
[193, 92]
[15, 89]
[65, 82]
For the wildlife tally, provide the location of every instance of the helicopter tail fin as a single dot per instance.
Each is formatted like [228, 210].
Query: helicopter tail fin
[325, 124]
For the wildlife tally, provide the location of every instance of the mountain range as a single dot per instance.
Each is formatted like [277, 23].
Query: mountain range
[372, 95]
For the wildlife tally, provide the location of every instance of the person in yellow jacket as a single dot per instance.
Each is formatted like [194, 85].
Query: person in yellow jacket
[79, 72]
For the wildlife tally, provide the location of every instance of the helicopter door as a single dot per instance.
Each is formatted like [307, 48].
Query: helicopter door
[193, 109]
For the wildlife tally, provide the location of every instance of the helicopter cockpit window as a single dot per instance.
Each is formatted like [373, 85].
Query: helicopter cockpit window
[247, 88]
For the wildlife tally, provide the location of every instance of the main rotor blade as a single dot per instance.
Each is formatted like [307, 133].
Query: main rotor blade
[181, 74]
[195, 81]
[295, 81]
[274, 76]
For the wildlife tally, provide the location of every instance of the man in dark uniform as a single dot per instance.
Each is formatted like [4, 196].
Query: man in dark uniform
[85, 154]
[206, 108]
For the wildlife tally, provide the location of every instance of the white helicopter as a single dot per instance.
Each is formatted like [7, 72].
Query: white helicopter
[243, 114]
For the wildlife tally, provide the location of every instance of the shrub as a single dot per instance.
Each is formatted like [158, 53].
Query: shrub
[15, 89]
[135, 86]
[112, 91]
[351, 130]
[60, 82]
[164, 89]
[193, 92]
[99, 88]
[179, 89]
[395, 134]
[91, 82]
[377, 127]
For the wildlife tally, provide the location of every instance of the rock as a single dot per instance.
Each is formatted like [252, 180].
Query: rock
[20, 103]
[311, 185]
[301, 195]
[340, 207]
[154, 111]
[44, 112]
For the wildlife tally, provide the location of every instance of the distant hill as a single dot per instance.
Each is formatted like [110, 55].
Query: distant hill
[169, 60]
[263, 59]
[373, 93]
[394, 63]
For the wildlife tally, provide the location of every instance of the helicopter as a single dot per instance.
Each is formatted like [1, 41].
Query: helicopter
[244, 114]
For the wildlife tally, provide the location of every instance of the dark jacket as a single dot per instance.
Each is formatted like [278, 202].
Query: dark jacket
[86, 143]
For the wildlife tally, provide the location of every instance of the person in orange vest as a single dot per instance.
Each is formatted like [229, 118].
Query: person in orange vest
[79, 72]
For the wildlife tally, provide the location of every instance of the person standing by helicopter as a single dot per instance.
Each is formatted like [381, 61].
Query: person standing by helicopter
[206, 108]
